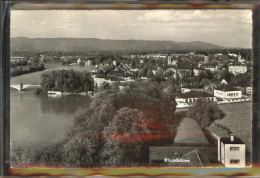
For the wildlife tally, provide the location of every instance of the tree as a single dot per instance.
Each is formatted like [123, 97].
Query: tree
[67, 80]
[149, 73]
[123, 138]
[226, 75]
[141, 73]
[79, 151]
[160, 73]
[205, 113]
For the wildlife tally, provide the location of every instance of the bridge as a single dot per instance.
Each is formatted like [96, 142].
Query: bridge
[21, 86]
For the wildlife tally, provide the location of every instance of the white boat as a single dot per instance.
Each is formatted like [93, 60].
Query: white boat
[54, 93]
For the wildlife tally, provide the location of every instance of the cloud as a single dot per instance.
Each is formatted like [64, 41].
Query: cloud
[173, 16]
[162, 16]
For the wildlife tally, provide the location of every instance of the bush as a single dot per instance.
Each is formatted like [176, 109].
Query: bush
[205, 113]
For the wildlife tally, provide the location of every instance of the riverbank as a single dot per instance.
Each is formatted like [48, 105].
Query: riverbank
[35, 77]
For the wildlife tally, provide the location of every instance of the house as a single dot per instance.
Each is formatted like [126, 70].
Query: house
[228, 94]
[224, 82]
[190, 148]
[232, 151]
[206, 59]
[237, 69]
[196, 72]
[171, 61]
[101, 81]
[178, 156]
[88, 63]
[17, 59]
[240, 59]
[210, 67]
[78, 61]
[249, 91]
[232, 55]
[114, 63]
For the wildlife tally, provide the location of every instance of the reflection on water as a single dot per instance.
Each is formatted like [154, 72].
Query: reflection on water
[63, 103]
[37, 121]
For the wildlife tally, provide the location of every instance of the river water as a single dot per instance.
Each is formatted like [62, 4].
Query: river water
[37, 121]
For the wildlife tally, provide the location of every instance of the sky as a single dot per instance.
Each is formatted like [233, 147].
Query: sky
[227, 28]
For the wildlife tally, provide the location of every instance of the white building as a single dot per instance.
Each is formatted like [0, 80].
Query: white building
[114, 63]
[79, 61]
[101, 81]
[193, 100]
[17, 59]
[88, 63]
[228, 94]
[232, 54]
[212, 68]
[196, 72]
[231, 151]
[237, 69]
[240, 59]
[249, 90]
[206, 59]
[171, 61]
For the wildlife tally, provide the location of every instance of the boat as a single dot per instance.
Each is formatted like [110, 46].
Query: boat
[54, 93]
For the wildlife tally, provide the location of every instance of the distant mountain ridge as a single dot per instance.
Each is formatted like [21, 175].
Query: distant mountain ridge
[94, 44]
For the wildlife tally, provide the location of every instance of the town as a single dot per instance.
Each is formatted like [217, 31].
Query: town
[215, 76]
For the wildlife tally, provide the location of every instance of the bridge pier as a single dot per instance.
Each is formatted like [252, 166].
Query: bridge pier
[20, 87]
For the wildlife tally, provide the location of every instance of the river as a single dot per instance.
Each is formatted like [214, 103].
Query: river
[37, 121]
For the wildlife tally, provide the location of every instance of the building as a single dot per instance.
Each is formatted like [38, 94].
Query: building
[88, 63]
[189, 97]
[196, 72]
[17, 59]
[171, 61]
[177, 156]
[79, 61]
[114, 63]
[228, 94]
[210, 67]
[231, 151]
[190, 148]
[240, 59]
[224, 82]
[237, 69]
[206, 59]
[249, 91]
[101, 81]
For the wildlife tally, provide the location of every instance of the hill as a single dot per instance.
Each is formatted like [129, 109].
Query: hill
[93, 44]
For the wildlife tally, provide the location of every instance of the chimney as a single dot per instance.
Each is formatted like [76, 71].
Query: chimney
[232, 137]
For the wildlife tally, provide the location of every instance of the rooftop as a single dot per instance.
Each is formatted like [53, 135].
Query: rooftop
[194, 94]
[196, 155]
[227, 140]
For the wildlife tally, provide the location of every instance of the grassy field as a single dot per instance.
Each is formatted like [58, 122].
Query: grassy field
[35, 77]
